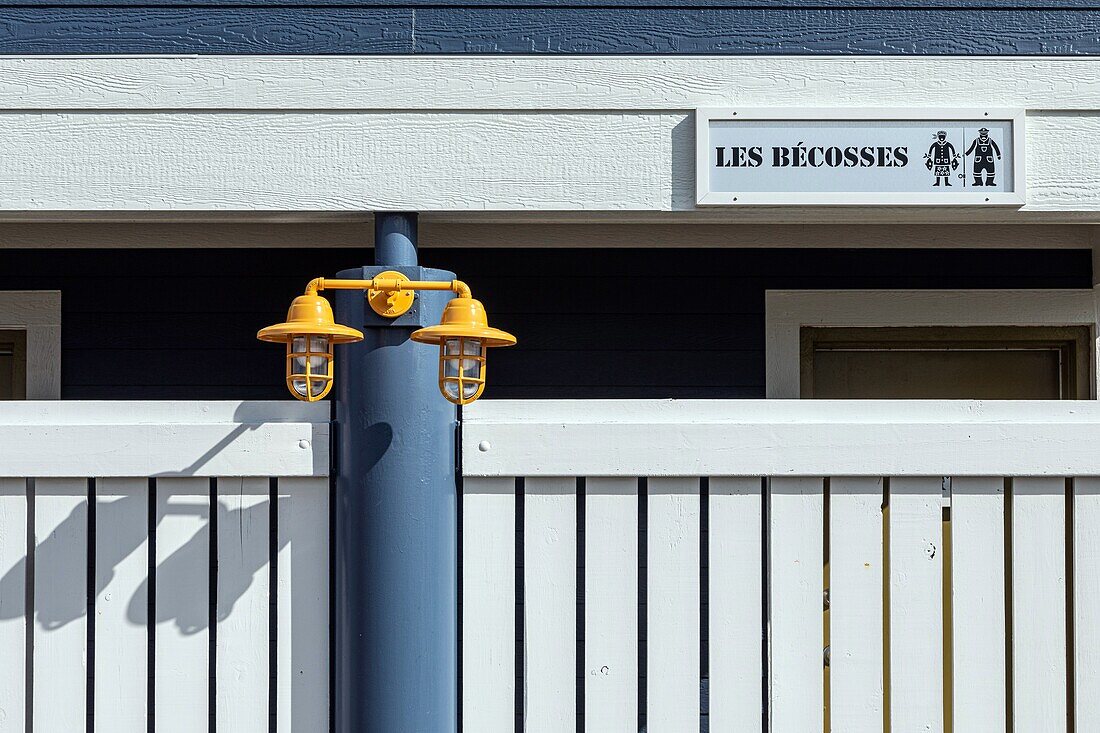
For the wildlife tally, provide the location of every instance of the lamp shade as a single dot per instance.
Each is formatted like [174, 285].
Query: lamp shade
[464, 318]
[309, 315]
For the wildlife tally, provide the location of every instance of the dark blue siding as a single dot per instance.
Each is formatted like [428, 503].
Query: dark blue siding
[181, 324]
[639, 4]
[902, 27]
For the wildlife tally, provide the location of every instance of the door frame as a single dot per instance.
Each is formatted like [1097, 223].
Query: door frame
[787, 311]
[38, 314]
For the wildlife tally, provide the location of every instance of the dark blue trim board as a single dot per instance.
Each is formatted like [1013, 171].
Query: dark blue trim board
[779, 5]
[856, 27]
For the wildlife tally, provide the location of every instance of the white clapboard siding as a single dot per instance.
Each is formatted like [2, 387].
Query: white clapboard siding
[121, 627]
[550, 82]
[182, 663]
[1086, 585]
[735, 609]
[348, 161]
[796, 546]
[916, 604]
[1039, 671]
[60, 605]
[489, 604]
[13, 605]
[672, 605]
[244, 522]
[303, 605]
[855, 605]
[550, 604]
[611, 605]
[978, 604]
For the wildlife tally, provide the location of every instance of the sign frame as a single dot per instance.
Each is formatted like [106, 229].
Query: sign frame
[706, 197]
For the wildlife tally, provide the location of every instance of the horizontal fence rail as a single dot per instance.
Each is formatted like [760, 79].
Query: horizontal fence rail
[77, 439]
[164, 566]
[780, 438]
[781, 566]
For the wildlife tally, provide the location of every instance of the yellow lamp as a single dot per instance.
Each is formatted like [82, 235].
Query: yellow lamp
[463, 336]
[309, 334]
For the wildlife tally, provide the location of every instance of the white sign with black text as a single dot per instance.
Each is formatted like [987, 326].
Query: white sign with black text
[859, 157]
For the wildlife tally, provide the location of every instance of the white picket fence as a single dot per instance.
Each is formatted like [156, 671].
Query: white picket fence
[170, 561]
[707, 609]
[164, 560]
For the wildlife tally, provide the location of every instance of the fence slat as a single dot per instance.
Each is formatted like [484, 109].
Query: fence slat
[550, 604]
[303, 607]
[1039, 604]
[60, 605]
[13, 603]
[241, 657]
[1086, 585]
[121, 627]
[735, 613]
[855, 605]
[489, 604]
[611, 604]
[796, 606]
[978, 603]
[672, 604]
[916, 604]
[182, 664]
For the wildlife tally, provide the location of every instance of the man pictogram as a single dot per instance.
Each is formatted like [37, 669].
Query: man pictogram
[941, 159]
[984, 148]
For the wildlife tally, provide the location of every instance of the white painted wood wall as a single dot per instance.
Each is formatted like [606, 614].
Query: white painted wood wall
[136, 576]
[738, 499]
[472, 135]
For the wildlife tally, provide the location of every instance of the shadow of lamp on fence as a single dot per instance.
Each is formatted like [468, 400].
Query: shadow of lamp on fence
[310, 332]
[128, 518]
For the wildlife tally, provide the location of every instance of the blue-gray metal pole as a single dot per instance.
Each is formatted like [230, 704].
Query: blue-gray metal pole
[395, 240]
[396, 571]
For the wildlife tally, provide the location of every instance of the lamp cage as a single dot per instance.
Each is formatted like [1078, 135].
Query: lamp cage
[462, 368]
[309, 366]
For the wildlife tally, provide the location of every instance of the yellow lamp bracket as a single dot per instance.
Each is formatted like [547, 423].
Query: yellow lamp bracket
[391, 303]
[390, 294]
[462, 336]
